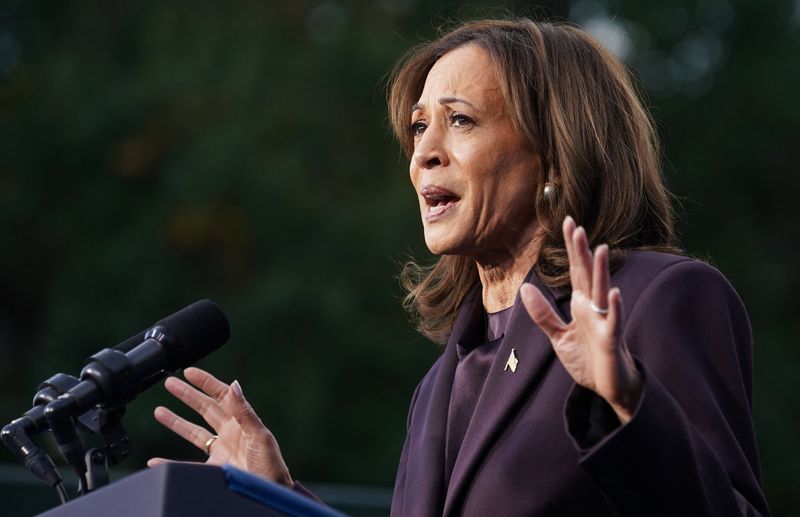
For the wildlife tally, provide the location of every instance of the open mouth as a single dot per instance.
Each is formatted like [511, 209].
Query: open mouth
[439, 201]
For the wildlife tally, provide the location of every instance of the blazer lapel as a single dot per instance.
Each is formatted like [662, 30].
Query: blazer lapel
[504, 390]
[425, 489]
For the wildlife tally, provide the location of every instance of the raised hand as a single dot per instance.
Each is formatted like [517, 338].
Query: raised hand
[242, 440]
[589, 346]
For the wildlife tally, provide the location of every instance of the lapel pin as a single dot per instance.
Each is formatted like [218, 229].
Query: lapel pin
[512, 361]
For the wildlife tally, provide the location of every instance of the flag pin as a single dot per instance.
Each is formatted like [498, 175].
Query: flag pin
[512, 361]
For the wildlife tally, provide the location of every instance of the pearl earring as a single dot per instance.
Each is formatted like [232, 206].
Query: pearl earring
[550, 191]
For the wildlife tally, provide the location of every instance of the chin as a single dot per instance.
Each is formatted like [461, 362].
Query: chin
[435, 244]
[433, 247]
[439, 244]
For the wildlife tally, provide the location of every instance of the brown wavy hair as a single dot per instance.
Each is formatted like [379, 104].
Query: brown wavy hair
[576, 105]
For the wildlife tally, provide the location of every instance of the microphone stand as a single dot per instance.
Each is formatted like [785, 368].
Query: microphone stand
[92, 465]
[106, 423]
[17, 435]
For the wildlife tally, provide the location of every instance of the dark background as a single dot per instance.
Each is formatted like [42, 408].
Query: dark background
[153, 153]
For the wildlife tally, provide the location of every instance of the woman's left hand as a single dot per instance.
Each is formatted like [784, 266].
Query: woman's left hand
[589, 346]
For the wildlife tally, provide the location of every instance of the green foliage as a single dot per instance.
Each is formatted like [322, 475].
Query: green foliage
[155, 153]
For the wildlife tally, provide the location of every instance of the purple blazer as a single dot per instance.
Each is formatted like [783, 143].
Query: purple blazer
[538, 445]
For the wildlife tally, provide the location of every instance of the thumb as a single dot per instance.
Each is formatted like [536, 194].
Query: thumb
[540, 311]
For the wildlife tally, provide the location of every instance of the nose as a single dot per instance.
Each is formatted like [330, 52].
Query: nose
[430, 150]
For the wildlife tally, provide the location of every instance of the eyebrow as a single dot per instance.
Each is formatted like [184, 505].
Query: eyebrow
[443, 101]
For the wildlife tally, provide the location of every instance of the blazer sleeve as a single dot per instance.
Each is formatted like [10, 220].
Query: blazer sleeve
[689, 448]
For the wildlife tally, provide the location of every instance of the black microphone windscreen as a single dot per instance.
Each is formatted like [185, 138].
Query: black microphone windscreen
[197, 330]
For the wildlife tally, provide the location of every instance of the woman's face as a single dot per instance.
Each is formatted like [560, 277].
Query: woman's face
[474, 175]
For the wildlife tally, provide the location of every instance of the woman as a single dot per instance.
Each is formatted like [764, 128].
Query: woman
[529, 147]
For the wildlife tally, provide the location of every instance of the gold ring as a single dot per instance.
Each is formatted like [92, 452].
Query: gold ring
[210, 441]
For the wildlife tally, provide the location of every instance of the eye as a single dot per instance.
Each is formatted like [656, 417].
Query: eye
[460, 120]
[417, 128]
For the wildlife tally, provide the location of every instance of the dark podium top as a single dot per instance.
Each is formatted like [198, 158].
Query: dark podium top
[177, 489]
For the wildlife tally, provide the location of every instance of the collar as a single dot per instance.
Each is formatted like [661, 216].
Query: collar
[469, 327]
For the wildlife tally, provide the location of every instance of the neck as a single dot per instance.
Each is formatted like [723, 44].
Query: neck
[502, 275]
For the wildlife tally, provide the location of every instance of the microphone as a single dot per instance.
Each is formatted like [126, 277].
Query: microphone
[130, 343]
[16, 434]
[113, 377]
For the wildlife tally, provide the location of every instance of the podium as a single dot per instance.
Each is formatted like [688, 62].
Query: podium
[196, 490]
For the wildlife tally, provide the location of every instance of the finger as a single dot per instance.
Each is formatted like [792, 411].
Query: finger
[207, 383]
[601, 278]
[540, 311]
[568, 228]
[192, 433]
[207, 407]
[581, 273]
[154, 462]
[615, 314]
[243, 412]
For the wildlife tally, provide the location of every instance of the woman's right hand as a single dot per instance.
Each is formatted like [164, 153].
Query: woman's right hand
[242, 439]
